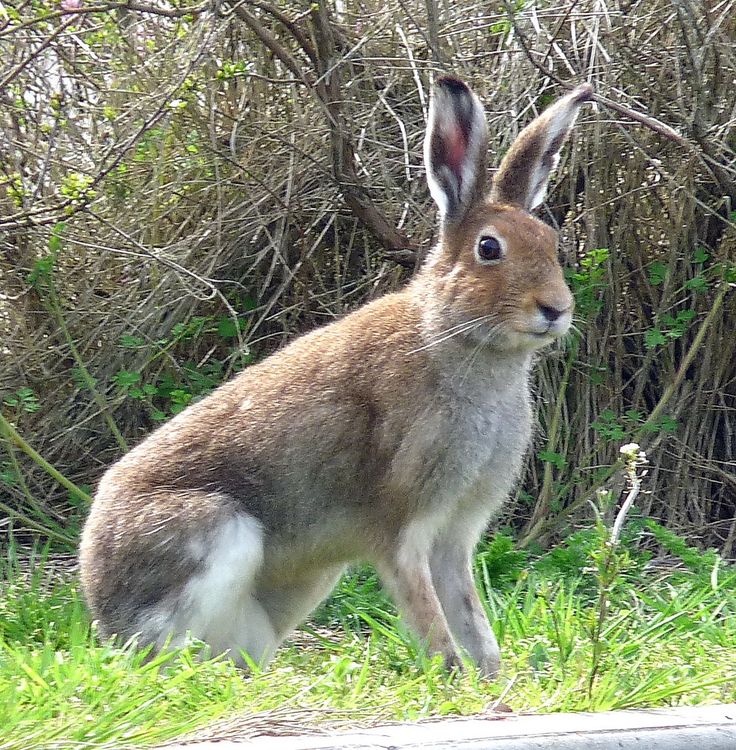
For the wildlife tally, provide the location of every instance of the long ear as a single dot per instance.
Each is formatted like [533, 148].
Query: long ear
[524, 172]
[455, 148]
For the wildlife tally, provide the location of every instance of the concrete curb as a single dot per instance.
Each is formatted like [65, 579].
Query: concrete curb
[698, 728]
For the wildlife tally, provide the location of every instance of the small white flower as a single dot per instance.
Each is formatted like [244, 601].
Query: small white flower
[633, 455]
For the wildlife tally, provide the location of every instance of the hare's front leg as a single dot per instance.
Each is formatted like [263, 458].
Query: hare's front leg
[452, 573]
[408, 576]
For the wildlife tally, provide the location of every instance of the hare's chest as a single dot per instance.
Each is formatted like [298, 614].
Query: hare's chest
[488, 437]
[464, 448]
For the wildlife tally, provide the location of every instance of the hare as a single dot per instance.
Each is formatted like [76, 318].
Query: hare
[390, 436]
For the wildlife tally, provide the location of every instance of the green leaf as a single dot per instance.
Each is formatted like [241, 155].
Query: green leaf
[608, 427]
[663, 424]
[654, 338]
[595, 258]
[191, 328]
[125, 378]
[697, 284]
[24, 399]
[55, 239]
[598, 374]
[700, 255]
[668, 424]
[657, 273]
[502, 27]
[550, 457]
[42, 268]
[538, 657]
[131, 342]
[227, 328]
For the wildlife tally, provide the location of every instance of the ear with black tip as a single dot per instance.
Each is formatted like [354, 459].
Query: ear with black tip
[524, 172]
[455, 148]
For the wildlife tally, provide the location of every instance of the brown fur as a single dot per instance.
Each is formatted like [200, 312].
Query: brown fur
[390, 436]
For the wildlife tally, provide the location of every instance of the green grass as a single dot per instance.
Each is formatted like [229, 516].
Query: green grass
[668, 639]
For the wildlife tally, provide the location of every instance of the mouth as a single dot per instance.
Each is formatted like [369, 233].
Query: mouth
[521, 337]
[538, 339]
[548, 333]
[553, 330]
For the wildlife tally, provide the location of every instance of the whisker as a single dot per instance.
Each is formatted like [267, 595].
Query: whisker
[467, 365]
[466, 327]
[468, 362]
[464, 323]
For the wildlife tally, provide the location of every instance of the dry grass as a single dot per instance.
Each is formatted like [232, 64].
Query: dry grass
[264, 163]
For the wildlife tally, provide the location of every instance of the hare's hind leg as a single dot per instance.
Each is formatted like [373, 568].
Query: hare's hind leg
[288, 604]
[218, 605]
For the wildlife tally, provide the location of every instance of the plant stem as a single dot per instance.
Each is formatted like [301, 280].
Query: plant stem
[88, 379]
[609, 563]
[541, 509]
[11, 434]
[625, 507]
[606, 575]
[36, 526]
[30, 500]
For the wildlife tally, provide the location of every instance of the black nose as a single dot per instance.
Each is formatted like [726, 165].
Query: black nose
[550, 313]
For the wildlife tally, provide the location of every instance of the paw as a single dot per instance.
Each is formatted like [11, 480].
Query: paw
[452, 661]
[489, 665]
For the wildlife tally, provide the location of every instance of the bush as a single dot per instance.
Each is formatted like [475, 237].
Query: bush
[180, 193]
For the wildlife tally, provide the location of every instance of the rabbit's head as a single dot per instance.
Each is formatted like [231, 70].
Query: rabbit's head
[494, 276]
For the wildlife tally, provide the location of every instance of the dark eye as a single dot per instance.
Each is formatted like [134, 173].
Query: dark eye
[489, 248]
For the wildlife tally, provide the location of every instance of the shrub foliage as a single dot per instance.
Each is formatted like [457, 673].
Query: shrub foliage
[184, 187]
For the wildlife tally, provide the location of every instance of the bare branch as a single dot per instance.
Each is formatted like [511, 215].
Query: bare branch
[273, 44]
[343, 151]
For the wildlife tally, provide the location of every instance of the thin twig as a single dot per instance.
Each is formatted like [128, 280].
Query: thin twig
[650, 122]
